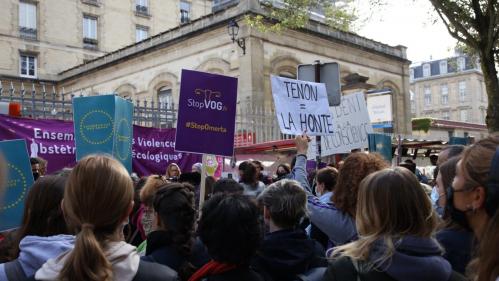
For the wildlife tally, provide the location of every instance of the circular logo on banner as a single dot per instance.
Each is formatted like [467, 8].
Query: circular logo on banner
[16, 187]
[123, 139]
[96, 127]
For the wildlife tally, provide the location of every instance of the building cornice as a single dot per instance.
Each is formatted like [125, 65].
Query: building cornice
[219, 19]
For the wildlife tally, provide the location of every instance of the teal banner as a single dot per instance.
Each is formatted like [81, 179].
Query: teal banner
[381, 144]
[103, 124]
[19, 180]
[458, 140]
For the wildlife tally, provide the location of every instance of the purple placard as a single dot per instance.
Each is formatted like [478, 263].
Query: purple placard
[53, 140]
[207, 113]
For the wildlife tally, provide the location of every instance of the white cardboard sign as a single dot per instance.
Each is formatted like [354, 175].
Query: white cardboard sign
[351, 126]
[301, 106]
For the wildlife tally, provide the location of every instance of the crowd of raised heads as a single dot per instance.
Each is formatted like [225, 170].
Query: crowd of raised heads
[361, 219]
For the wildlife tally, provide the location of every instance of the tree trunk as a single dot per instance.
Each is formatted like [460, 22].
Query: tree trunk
[492, 86]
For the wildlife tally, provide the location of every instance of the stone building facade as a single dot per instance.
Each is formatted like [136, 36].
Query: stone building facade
[150, 69]
[39, 39]
[449, 89]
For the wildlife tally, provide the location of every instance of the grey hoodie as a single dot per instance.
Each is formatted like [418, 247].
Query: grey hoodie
[36, 250]
[123, 257]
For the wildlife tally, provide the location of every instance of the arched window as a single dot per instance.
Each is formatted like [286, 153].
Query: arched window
[165, 97]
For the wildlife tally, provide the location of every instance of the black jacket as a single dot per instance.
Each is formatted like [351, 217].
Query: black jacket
[287, 253]
[160, 250]
[457, 244]
[238, 274]
[149, 271]
[343, 269]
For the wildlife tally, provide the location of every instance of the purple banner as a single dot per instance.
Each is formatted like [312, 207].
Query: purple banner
[206, 114]
[53, 140]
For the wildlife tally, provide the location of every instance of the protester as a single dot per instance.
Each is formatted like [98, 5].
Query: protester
[337, 219]
[261, 175]
[456, 240]
[145, 216]
[326, 180]
[133, 230]
[439, 201]
[35, 168]
[474, 196]
[229, 228]
[286, 250]
[411, 166]
[97, 201]
[173, 171]
[172, 243]
[249, 179]
[43, 233]
[197, 168]
[396, 222]
[282, 172]
[43, 166]
[227, 186]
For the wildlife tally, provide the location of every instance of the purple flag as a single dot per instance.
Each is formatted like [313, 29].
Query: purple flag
[207, 113]
[53, 140]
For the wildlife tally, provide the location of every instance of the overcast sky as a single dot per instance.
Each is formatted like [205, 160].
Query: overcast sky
[408, 23]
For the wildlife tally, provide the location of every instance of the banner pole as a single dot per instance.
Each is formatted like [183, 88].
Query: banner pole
[318, 138]
[202, 188]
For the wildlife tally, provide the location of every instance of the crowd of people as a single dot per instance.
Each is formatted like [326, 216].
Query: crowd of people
[360, 220]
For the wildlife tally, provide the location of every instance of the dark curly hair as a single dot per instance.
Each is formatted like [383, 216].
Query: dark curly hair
[356, 167]
[174, 204]
[230, 229]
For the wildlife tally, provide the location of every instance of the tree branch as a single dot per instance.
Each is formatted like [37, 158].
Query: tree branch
[452, 19]
[454, 33]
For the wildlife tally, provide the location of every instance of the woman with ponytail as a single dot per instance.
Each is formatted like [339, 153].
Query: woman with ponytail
[172, 241]
[97, 201]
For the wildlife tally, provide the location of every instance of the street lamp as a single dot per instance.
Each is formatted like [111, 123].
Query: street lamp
[233, 30]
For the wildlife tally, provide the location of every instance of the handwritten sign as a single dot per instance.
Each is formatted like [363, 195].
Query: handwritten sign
[301, 106]
[351, 127]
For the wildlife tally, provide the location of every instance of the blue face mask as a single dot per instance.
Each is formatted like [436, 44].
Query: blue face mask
[434, 201]
[434, 195]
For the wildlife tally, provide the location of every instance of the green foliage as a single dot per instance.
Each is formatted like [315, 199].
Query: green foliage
[295, 14]
[421, 124]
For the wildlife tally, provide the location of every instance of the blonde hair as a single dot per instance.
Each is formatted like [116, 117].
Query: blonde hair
[153, 183]
[169, 167]
[98, 195]
[391, 204]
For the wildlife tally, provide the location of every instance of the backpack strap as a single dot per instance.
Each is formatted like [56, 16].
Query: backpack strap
[14, 270]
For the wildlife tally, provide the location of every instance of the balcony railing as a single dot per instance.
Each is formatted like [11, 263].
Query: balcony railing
[28, 33]
[90, 43]
[141, 10]
[184, 16]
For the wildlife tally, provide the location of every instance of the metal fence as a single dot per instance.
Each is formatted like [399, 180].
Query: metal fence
[254, 124]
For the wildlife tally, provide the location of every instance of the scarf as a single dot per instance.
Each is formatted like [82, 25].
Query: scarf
[211, 268]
